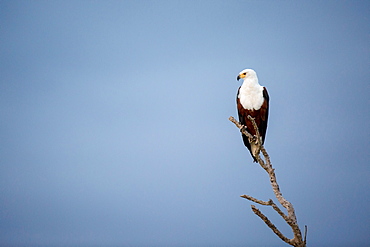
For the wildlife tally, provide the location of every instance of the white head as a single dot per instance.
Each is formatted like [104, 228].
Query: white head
[247, 74]
[250, 93]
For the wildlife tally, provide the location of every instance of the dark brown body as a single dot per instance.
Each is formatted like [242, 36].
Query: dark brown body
[260, 116]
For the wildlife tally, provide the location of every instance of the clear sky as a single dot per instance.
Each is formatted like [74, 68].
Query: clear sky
[114, 121]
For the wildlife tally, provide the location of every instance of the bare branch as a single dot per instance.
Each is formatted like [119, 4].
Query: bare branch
[270, 225]
[305, 234]
[290, 219]
[242, 128]
[250, 198]
[281, 213]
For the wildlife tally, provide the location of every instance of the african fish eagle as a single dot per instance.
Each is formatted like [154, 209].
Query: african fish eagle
[252, 99]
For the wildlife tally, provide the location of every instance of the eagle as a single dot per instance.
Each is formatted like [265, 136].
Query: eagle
[252, 99]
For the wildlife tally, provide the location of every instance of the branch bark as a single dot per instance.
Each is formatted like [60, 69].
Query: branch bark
[291, 218]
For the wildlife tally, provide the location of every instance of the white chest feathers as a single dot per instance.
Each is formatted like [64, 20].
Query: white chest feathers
[251, 96]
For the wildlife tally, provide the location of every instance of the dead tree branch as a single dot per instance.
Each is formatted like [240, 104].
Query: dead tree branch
[269, 224]
[291, 218]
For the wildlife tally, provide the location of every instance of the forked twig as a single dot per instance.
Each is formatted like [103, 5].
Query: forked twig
[269, 224]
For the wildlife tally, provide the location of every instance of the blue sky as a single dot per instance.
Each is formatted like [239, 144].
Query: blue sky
[114, 121]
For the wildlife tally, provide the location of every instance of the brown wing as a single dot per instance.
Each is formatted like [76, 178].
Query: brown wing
[264, 115]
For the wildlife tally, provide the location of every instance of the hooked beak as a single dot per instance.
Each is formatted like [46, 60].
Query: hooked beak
[241, 76]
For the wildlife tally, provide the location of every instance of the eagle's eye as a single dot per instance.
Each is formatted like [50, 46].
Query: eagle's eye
[244, 73]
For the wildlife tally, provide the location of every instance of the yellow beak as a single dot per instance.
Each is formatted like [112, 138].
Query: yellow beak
[240, 76]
